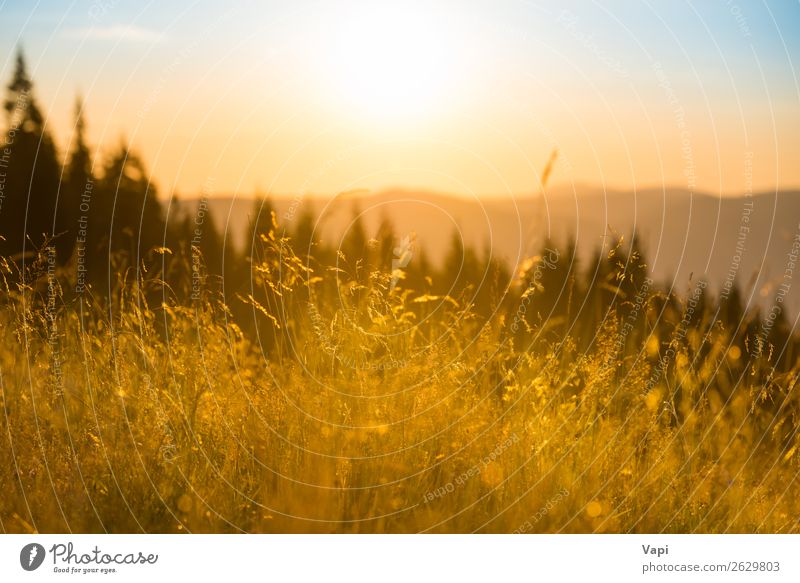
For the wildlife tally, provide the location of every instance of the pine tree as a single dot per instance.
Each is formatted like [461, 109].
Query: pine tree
[126, 219]
[384, 250]
[178, 266]
[354, 248]
[555, 274]
[598, 292]
[462, 271]
[31, 171]
[303, 239]
[75, 199]
[210, 244]
[260, 223]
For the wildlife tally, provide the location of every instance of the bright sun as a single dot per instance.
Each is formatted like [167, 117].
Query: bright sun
[392, 62]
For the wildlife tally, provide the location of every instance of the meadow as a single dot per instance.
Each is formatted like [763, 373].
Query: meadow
[354, 395]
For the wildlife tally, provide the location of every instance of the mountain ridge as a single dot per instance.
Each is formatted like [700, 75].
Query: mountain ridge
[683, 235]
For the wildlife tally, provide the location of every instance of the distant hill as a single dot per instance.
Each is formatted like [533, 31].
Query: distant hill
[682, 234]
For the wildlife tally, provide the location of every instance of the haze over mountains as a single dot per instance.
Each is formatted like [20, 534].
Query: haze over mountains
[754, 238]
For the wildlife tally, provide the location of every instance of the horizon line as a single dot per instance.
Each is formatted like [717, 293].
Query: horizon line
[363, 193]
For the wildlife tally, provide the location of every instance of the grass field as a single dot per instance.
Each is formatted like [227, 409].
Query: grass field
[358, 404]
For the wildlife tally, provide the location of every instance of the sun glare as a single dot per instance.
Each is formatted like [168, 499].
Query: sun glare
[391, 63]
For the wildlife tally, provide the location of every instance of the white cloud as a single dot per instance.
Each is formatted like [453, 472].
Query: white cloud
[118, 32]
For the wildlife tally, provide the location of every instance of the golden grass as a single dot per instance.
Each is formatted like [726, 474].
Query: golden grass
[373, 410]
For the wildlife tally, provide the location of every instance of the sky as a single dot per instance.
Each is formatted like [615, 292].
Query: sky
[307, 97]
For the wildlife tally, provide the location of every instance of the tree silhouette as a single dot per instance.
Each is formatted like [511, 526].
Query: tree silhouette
[31, 170]
[354, 248]
[386, 241]
[598, 291]
[259, 223]
[461, 268]
[126, 216]
[303, 236]
[76, 189]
